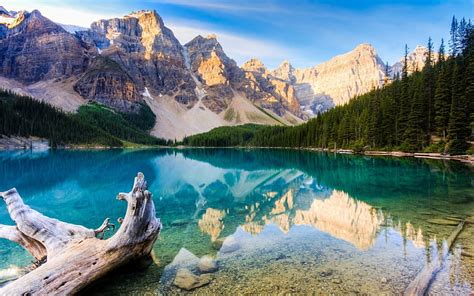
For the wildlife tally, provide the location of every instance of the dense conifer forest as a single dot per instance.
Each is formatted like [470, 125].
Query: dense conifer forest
[93, 124]
[430, 110]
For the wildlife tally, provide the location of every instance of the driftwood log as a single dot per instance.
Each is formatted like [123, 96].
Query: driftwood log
[419, 286]
[70, 257]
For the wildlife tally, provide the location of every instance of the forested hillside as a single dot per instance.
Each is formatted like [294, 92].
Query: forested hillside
[430, 110]
[94, 124]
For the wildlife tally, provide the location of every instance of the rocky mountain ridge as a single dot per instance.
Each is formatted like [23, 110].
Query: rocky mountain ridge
[134, 60]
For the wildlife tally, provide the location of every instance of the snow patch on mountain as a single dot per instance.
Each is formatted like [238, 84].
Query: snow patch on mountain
[6, 20]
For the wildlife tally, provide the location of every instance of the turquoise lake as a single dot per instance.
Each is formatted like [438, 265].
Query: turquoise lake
[276, 221]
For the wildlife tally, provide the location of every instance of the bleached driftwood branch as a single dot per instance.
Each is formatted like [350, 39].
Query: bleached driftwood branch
[74, 257]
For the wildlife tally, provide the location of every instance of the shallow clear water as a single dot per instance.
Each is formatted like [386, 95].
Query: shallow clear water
[276, 221]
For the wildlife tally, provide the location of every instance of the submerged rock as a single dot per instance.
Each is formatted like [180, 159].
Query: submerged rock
[230, 245]
[207, 264]
[184, 258]
[187, 280]
[217, 244]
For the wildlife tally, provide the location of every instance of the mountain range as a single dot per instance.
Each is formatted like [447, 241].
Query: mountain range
[134, 60]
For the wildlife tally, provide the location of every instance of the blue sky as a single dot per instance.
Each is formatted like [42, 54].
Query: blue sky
[304, 32]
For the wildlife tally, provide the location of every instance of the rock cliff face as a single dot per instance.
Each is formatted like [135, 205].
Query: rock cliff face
[107, 83]
[221, 78]
[219, 74]
[33, 48]
[271, 92]
[285, 71]
[148, 51]
[336, 81]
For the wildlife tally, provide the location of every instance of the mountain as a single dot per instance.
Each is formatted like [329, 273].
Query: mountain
[223, 78]
[30, 48]
[148, 51]
[417, 113]
[215, 71]
[274, 93]
[135, 62]
[129, 62]
[37, 57]
[336, 81]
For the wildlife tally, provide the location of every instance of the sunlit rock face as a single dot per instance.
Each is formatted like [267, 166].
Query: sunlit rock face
[211, 222]
[148, 51]
[343, 217]
[271, 92]
[222, 78]
[219, 74]
[336, 81]
[285, 71]
[415, 61]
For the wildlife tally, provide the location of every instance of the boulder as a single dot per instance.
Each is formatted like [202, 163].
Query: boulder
[187, 280]
[230, 245]
[207, 264]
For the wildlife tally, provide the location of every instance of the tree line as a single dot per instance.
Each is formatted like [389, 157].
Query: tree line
[93, 124]
[429, 110]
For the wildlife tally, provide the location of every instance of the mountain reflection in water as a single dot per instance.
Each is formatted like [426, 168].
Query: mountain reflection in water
[277, 221]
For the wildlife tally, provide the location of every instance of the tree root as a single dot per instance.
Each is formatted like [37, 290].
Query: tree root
[70, 257]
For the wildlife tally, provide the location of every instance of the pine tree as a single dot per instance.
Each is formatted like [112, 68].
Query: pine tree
[429, 89]
[414, 136]
[441, 52]
[458, 129]
[387, 73]
[374, 124]
[442, 101]
[469, 76]
[405, 102]
[461, 36]
[405, 63]
[453, 42]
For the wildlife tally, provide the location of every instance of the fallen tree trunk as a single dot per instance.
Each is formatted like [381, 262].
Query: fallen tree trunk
[74, 257]
[422, 282]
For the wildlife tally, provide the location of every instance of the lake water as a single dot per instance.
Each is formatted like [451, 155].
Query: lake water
[276, 221]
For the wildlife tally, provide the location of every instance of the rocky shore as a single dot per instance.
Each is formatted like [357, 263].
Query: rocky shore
[15, 143]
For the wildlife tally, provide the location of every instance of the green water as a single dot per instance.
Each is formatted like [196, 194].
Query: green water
[276, 221]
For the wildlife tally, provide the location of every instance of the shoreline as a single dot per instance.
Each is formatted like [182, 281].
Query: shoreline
[467, 159]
